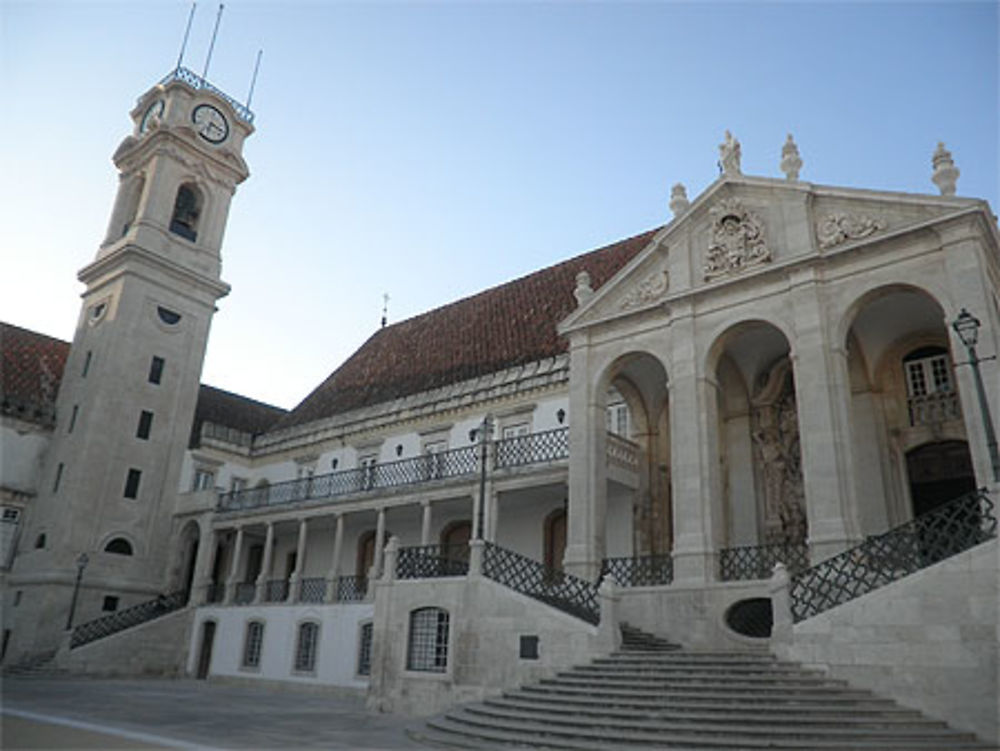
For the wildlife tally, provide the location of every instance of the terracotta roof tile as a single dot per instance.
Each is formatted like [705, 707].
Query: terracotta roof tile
[232, 411]
[502, 327]
[31, 368]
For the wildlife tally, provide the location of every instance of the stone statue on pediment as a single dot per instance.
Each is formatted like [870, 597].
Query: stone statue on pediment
[729, 155]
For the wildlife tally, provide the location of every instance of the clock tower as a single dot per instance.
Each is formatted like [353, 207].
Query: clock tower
[128, 393]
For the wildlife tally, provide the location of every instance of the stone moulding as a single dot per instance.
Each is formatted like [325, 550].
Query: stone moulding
[646, 291]
[834, 229]
[736, 240]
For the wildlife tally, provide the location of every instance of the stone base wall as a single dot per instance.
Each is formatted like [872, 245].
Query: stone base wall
[155, 648]
[929, 641]
[486, 622]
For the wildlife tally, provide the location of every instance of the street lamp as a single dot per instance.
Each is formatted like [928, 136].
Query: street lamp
[81, 564]
[483, 434]
[967, 328]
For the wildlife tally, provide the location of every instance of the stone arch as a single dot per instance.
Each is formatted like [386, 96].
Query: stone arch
[188, 543]
[188, 210]
[554, 538]
[726, 331]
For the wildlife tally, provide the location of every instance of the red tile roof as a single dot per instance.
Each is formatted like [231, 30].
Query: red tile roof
[31, 367]
[503, 327]
[233, 411]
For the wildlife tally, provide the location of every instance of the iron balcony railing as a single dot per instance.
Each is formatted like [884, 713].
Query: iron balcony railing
[312, 590]
[432, 561]
[215, 592]
[195, 81]
[758, 561]
[245, 593]
[882, 559]
[640, 571]
[276, 590]
[533, 448]
[352, 588]
[551, 586]
[127, 618]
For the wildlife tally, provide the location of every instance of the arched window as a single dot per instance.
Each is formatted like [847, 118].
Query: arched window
[187, 210]
[427, 649]
[305, 647]
[252, 644]
[119, 546]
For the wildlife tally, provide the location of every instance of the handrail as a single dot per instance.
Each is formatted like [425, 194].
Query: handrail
[533, 448]
[127, 618]
[432, 561]
[195, 81]
[640, 570]
[551, 586]
[757, 561]
[882, 559]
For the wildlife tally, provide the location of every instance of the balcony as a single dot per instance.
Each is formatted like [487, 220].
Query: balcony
[933, 409]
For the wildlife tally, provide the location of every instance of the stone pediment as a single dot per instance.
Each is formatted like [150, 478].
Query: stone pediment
[741, 226]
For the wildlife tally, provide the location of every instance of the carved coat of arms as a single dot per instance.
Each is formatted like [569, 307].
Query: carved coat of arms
[736, 240]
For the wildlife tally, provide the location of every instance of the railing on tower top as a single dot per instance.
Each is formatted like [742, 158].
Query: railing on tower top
[127, 618]
[882, 559]
[195, 81]
[551, 586]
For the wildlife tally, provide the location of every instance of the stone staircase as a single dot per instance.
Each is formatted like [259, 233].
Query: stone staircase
[656, 695]
[37, 666]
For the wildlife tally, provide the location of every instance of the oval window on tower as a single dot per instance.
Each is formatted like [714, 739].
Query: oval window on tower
[168, 316]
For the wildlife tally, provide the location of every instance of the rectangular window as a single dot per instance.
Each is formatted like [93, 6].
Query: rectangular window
[252, 644]
[365, 650]
[156, 370]
[132, 483]
[145, 425]
[86, 365]
[204, 479]
[110, 604]
[618, 420]
[72, 418]
[238, 484]
[17, 597]
[428, 645]
[305, 650]
[529, 647]
[59, 473]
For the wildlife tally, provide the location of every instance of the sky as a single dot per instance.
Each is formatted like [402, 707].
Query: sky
[430, 150]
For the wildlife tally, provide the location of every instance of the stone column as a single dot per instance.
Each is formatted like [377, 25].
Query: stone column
[822, 396]
[234, 566]
[492, 514]
[265, 567]
[587, 467]
[203, 567]
[391, 553]
[425, 525]
[782, 631]
[376, 571]
[609, 599]
[334, 573]
[300, 562]
[692, 409]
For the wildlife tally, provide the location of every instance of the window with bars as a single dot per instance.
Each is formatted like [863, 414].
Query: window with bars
[305, 647]
[252, 644]
[365, 649]
[428, 646]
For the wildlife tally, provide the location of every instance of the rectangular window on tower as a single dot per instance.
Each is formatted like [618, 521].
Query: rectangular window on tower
[72, 418]
[132, 483]
[86, 364]
[58, 480]
[156, 370]
[145, 425]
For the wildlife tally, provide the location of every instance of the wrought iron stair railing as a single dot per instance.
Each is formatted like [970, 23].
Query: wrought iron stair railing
[758, 561]
[432, 561]
[533, 448]
[882, 559]
[640, 571]
[529, 577]
[127, 618]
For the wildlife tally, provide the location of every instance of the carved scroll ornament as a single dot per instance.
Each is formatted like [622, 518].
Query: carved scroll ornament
[736, 240]
[646, 291]
[838, 228]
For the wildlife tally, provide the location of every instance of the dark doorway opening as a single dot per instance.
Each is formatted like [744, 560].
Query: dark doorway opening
[205, 653]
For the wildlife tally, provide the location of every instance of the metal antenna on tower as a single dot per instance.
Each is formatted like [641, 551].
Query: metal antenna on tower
[211, 46]
[385, 309]
[253, 81]
[187, 32]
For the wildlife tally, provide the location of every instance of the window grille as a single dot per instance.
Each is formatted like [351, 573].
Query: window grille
[253, 644]
[305, 650]
[365, 649]
[428, 646]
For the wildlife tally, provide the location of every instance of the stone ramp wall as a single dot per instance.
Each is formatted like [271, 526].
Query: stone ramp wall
[929, 641]
[155, 648]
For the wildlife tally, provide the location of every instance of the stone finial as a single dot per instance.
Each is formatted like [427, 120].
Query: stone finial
[678, 199]
[945, 172]
[791, 162]
[583, 291]
[729, 155]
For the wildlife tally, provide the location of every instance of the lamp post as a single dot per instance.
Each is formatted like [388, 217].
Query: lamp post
[81, 564]
[967, 328]
[483, 433]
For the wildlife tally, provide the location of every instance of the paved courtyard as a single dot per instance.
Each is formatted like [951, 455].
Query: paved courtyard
[146, 714]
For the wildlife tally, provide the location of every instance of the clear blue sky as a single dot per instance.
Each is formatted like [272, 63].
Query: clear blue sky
[431, 150]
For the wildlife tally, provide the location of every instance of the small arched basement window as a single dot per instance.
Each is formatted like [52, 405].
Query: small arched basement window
[187, 210]
[119, 546]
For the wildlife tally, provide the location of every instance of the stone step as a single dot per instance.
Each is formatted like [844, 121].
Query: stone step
[696, 681]
[681, 668]
[547, 735]
[743, 724]
[709, 695]
[602, 707]
[690, 655]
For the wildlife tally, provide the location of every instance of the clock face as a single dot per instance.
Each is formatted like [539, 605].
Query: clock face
[210, 123]
[153, 112]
